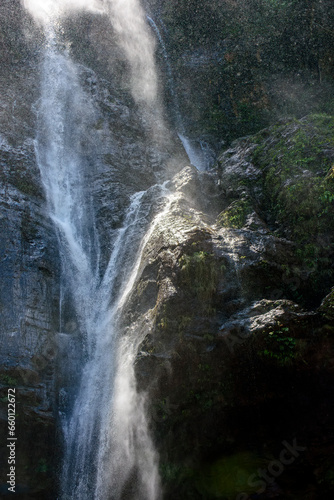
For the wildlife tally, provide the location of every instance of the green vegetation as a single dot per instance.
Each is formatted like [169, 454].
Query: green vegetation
[235, 215]
[279, 346]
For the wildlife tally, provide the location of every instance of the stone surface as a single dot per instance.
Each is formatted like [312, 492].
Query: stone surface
[29, 318]
[234, 357]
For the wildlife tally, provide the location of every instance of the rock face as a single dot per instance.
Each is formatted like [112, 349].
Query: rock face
[29, 268]
[238, 358]
[239, 66]
[29, 317]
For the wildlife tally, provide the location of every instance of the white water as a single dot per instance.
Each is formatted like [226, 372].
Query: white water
[45, 10]
[65, 119]
[129, 21]
[108, 449]
[107, 437]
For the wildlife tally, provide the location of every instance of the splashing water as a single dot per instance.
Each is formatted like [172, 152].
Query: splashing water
[194, 153]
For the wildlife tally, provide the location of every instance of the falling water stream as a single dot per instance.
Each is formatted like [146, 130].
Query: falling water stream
[107, 447]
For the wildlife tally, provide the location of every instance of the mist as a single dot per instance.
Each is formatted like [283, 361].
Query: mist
[44, 10]
[128, 20]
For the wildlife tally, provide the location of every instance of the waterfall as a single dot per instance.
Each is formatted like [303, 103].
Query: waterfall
[128, 20]
[107, 447]
[107, 437]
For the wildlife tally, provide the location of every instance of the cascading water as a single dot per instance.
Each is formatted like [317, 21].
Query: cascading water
[107, 432]
[108, 450]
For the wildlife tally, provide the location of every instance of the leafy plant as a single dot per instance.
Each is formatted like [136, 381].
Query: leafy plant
[235, 215]
[280, 346]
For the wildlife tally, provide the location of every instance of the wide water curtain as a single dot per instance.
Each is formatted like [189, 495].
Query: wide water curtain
[107, 447]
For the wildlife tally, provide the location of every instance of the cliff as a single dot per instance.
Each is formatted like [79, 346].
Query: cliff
[234, 293]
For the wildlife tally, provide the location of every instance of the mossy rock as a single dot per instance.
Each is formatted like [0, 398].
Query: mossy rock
[292, 192]
[235, 215]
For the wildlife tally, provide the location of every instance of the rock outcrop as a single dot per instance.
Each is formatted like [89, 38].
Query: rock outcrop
[238, 356]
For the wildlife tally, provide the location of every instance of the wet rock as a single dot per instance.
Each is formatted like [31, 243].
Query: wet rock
[29, 268]
[233, 356]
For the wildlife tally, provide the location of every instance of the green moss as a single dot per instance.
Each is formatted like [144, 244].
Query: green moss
[297, 189]
[293, 147]
[42, 465]
[296, 144]
[235, 215]
[306, 206]
[8, 380]
[163, 323]
[184, 323]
